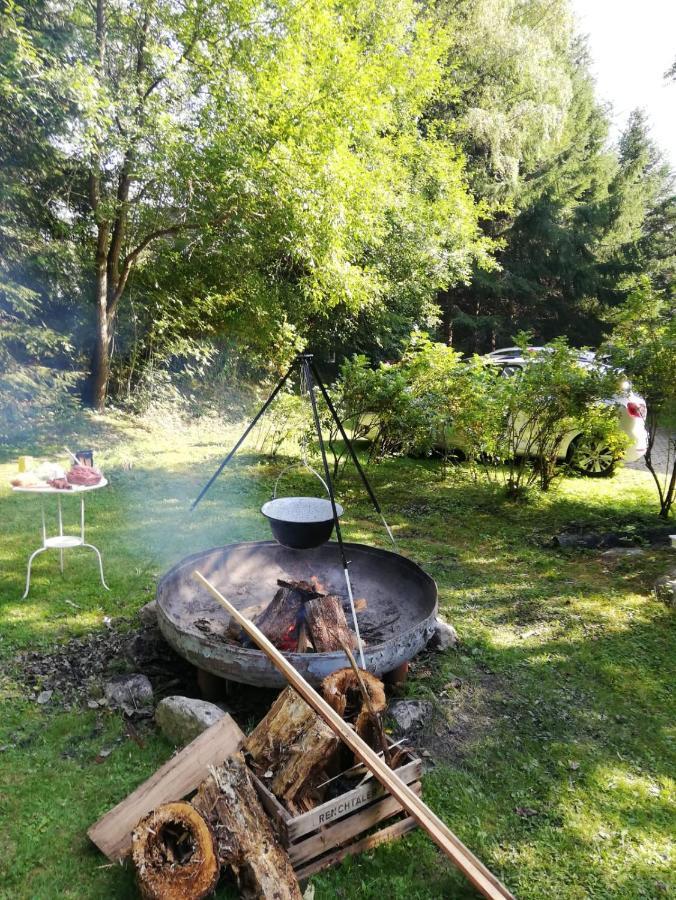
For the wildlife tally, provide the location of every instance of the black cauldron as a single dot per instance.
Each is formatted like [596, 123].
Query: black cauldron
[300, 523]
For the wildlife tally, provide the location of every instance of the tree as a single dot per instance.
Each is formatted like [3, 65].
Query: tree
[643, 343]
[270, 150]
[35, 345]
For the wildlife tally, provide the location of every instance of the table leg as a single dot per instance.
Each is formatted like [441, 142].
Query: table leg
[28, 574]
[92, 547]
[60, 532]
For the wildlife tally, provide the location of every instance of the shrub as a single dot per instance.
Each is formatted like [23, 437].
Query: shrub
[544, 401]
[643, 343]
[434, 400]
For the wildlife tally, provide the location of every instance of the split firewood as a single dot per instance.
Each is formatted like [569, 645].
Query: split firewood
[305, 644]
[296, 748]
[281, 618]
[327, 623]
[174, 854]
[344, 690]
[245, 840]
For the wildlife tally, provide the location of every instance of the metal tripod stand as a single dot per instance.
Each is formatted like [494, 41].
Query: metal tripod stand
[304, 363]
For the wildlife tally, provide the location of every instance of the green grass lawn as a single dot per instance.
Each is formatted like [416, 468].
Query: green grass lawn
[552, 739]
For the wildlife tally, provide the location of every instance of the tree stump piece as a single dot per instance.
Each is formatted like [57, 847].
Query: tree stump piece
[341, 689]
[295, 745]
[245, 840]
[174, 854]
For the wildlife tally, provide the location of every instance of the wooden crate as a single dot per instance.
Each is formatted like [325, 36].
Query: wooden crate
[335, 829]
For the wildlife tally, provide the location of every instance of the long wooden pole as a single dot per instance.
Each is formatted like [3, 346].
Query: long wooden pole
[481, 877]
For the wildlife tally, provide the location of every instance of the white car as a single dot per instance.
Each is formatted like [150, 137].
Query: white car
[583, 453]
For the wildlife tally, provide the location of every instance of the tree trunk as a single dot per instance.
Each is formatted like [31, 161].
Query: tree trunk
[246, 842]
[100, 373]
[174, 854]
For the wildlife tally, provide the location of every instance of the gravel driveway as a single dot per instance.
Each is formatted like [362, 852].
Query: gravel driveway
[660, 453]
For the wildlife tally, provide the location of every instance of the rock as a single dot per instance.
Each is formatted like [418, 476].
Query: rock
[45, 697]
[133, 694]
[585, 540]
[665, 589]
[445, 636]
[409, 714]
[618, 553]
[148, 613]
[182, 719]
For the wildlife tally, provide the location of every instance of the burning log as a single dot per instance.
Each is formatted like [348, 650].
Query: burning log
[296, 746]
[328, 626]
[301, 619]
[281, 619]
[174, 853]
[245, 840]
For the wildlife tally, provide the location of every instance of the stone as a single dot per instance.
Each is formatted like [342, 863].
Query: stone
[148, 614]
[182, 719]
[445, 636]
[409, 714]
[617, 553]
[665, 589]
[45, 697]
[133, 694]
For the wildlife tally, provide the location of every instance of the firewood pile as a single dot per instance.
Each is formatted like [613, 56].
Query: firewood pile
[302, 618]
[285, 802]
[250, 800]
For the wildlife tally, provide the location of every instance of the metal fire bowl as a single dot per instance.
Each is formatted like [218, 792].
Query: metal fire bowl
[396, 625]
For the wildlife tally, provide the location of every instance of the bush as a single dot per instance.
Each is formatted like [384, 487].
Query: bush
[434, 400]
[643, 344]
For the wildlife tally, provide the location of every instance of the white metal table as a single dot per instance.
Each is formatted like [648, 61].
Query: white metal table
[62, 541]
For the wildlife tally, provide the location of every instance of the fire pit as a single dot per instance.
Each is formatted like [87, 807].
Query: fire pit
[401, 605]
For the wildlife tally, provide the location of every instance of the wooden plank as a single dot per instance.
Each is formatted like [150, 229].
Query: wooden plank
[347, 803]
[280, 816]
[177, 777]
[372, 840]
[479, 875]
[343, 831]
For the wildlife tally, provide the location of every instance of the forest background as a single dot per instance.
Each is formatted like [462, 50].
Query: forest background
[194, 191]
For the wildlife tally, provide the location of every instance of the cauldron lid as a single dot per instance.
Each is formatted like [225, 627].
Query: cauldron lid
[301, 510]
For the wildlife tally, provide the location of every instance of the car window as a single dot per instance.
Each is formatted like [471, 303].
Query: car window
[508, 371]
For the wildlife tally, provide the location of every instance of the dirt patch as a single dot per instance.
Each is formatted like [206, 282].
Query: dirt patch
[461, 713]
[76, 671]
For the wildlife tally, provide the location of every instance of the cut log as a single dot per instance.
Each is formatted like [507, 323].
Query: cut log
[174, 854]
[173, 781]
[281, 618]
[328, 627]
[245, 840]
[295, 745]
[342, 690]
[480, 876]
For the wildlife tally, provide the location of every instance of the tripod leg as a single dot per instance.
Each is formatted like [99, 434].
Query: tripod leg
[329, 484]
[353, 455]
[280, 385]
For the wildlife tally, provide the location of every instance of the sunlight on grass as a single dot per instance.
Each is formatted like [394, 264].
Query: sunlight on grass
[558, 700]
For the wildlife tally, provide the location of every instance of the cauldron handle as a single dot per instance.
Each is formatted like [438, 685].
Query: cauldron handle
[293, 466]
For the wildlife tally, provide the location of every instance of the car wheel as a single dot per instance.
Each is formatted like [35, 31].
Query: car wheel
[591, 457]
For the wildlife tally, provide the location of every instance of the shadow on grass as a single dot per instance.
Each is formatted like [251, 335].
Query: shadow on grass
[578, 655]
